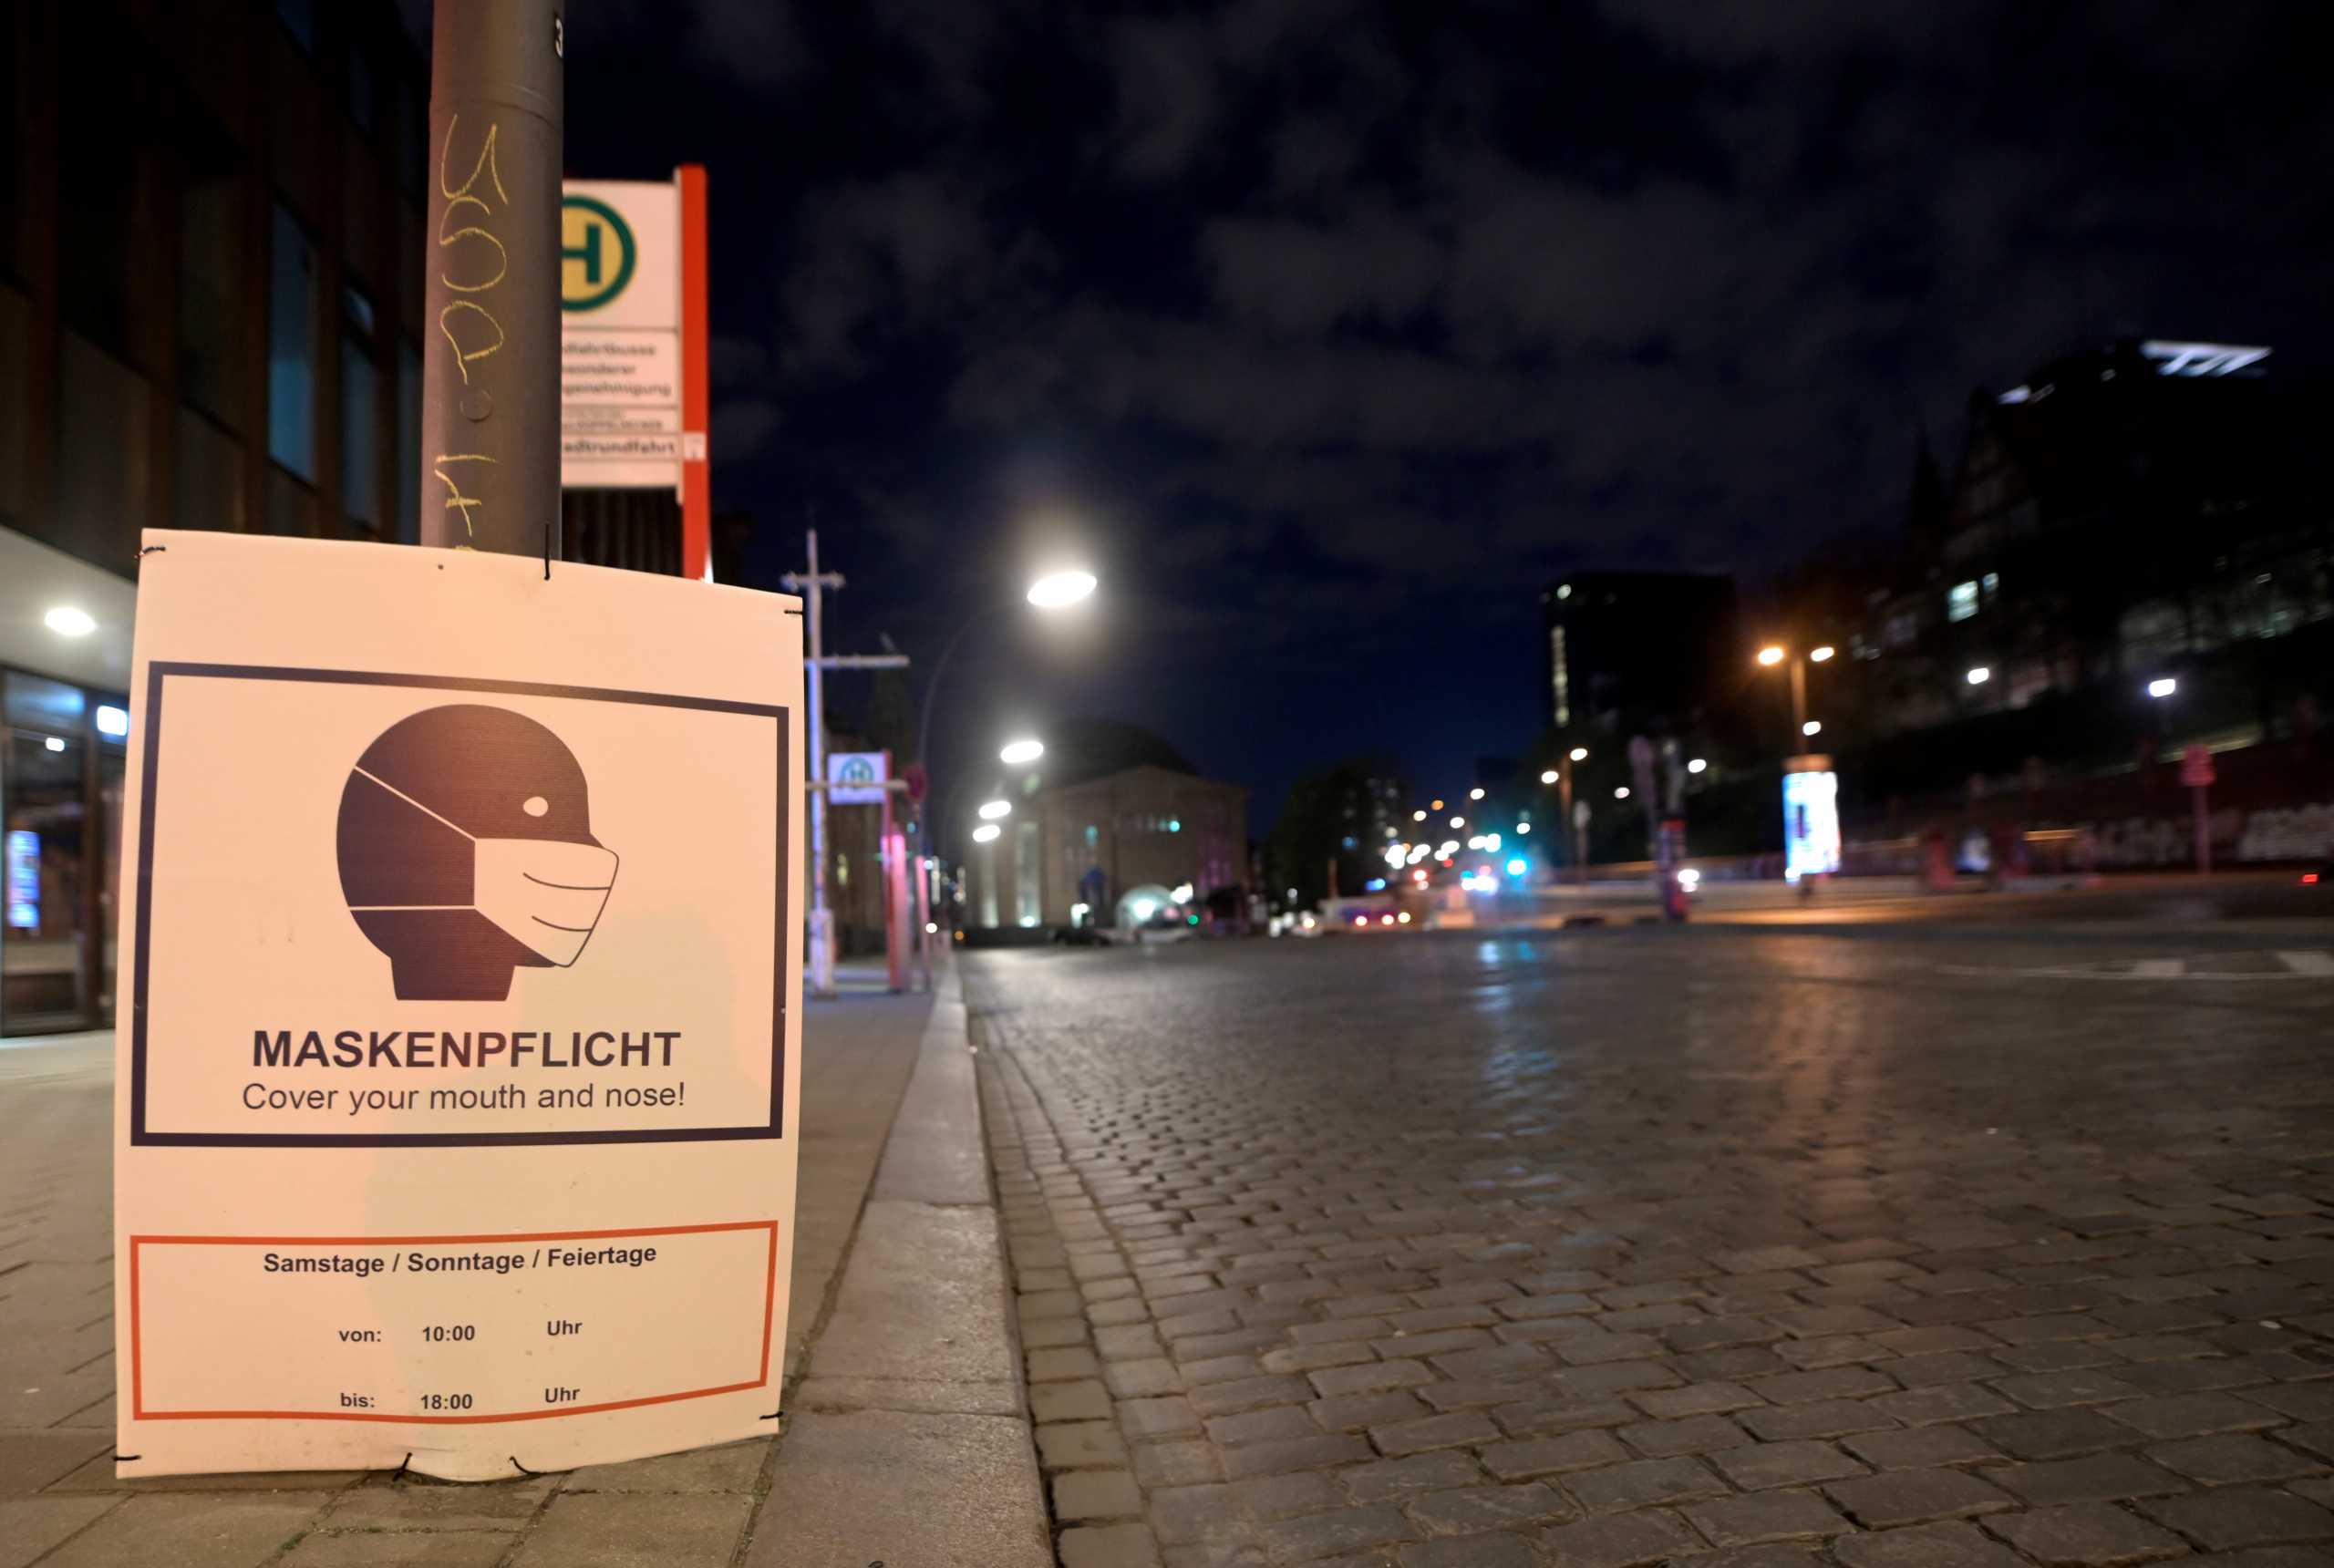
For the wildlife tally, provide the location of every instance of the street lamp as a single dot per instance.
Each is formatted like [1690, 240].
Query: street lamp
[987, 833]
[1476, 793]
[1979, 675]
[1814, 727]
[2163, 686]
[1016, 752]
[1698, 765]
[1056, 589]
[1051, 591]
[991, 809]
[1561, 776]
[1775, 654]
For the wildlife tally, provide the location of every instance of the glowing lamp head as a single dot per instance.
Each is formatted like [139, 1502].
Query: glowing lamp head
[1771, 654]
[1812, 727]
[1019, 751]
[1056, 589]
[1548, 776]
[1817, 655]
[67, 621]
[987, 833]
[1580, 754]
[1698, 765]
[991, 809]
[2163, 687]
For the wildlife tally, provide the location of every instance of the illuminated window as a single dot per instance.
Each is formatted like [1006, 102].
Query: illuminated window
[1024, 873]
[360, 394]
[1961, 602]
[291, 347]
[1559, 679]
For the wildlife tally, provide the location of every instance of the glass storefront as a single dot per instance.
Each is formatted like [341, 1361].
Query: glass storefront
[61, 775]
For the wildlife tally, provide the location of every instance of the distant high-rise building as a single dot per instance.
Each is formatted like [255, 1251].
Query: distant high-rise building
[1638, 652]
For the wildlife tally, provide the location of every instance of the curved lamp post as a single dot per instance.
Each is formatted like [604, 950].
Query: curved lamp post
[1054, 590]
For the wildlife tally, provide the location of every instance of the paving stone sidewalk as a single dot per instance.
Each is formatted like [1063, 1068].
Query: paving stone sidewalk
[61, 1507]
[1485, 1253]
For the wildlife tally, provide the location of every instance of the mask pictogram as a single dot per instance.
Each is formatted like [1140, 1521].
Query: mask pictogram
[465, 851]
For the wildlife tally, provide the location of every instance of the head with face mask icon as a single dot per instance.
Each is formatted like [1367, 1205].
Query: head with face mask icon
[466, 852]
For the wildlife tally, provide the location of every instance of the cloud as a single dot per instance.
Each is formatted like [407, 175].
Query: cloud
[1166, 74]
[742, 427]
[1295, 278]
[881, 257]
[759, 42]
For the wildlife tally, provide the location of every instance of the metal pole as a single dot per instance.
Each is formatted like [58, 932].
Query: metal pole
[2203, 835]
[1564, 823]
[1798, 705]
[490, 385]
[823, 951]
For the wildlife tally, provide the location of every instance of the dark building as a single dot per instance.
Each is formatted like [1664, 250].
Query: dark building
[212, 234]
[211, 238]
[1639, 652]
[2129, 515]
[1111, 809]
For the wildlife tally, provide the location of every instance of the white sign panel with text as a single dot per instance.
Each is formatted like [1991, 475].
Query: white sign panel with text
[462, 1041]
[620, 335]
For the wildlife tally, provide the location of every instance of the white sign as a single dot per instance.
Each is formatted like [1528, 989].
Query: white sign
[856, 777]
[460, 1058]
[620, 336]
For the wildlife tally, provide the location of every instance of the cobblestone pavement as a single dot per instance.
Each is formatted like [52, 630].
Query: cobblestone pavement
[1614, 1247]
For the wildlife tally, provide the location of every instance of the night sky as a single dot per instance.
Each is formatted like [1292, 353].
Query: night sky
[1330, 333]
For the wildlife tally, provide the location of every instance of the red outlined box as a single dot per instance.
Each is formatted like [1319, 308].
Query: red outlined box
[138, 1307]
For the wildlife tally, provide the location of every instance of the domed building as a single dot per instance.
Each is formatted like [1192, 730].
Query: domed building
[1110, 821]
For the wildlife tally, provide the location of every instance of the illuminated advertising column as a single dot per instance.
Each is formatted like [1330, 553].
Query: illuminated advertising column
[1810, 817]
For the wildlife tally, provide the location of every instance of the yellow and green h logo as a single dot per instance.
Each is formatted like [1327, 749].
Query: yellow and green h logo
[597, 253]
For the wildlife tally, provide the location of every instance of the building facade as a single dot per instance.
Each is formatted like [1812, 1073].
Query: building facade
[1093, 851]
[210, 252]
[213, 236]
[1637, 651]
[2142, 515]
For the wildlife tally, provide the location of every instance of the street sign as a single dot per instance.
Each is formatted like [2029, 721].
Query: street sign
[857, 778]
[2196, 767]
[620, 335]
[633, 379]
[458, 1047]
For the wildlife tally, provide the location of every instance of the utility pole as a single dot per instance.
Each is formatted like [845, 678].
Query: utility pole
[812, 583]
[489, 388]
